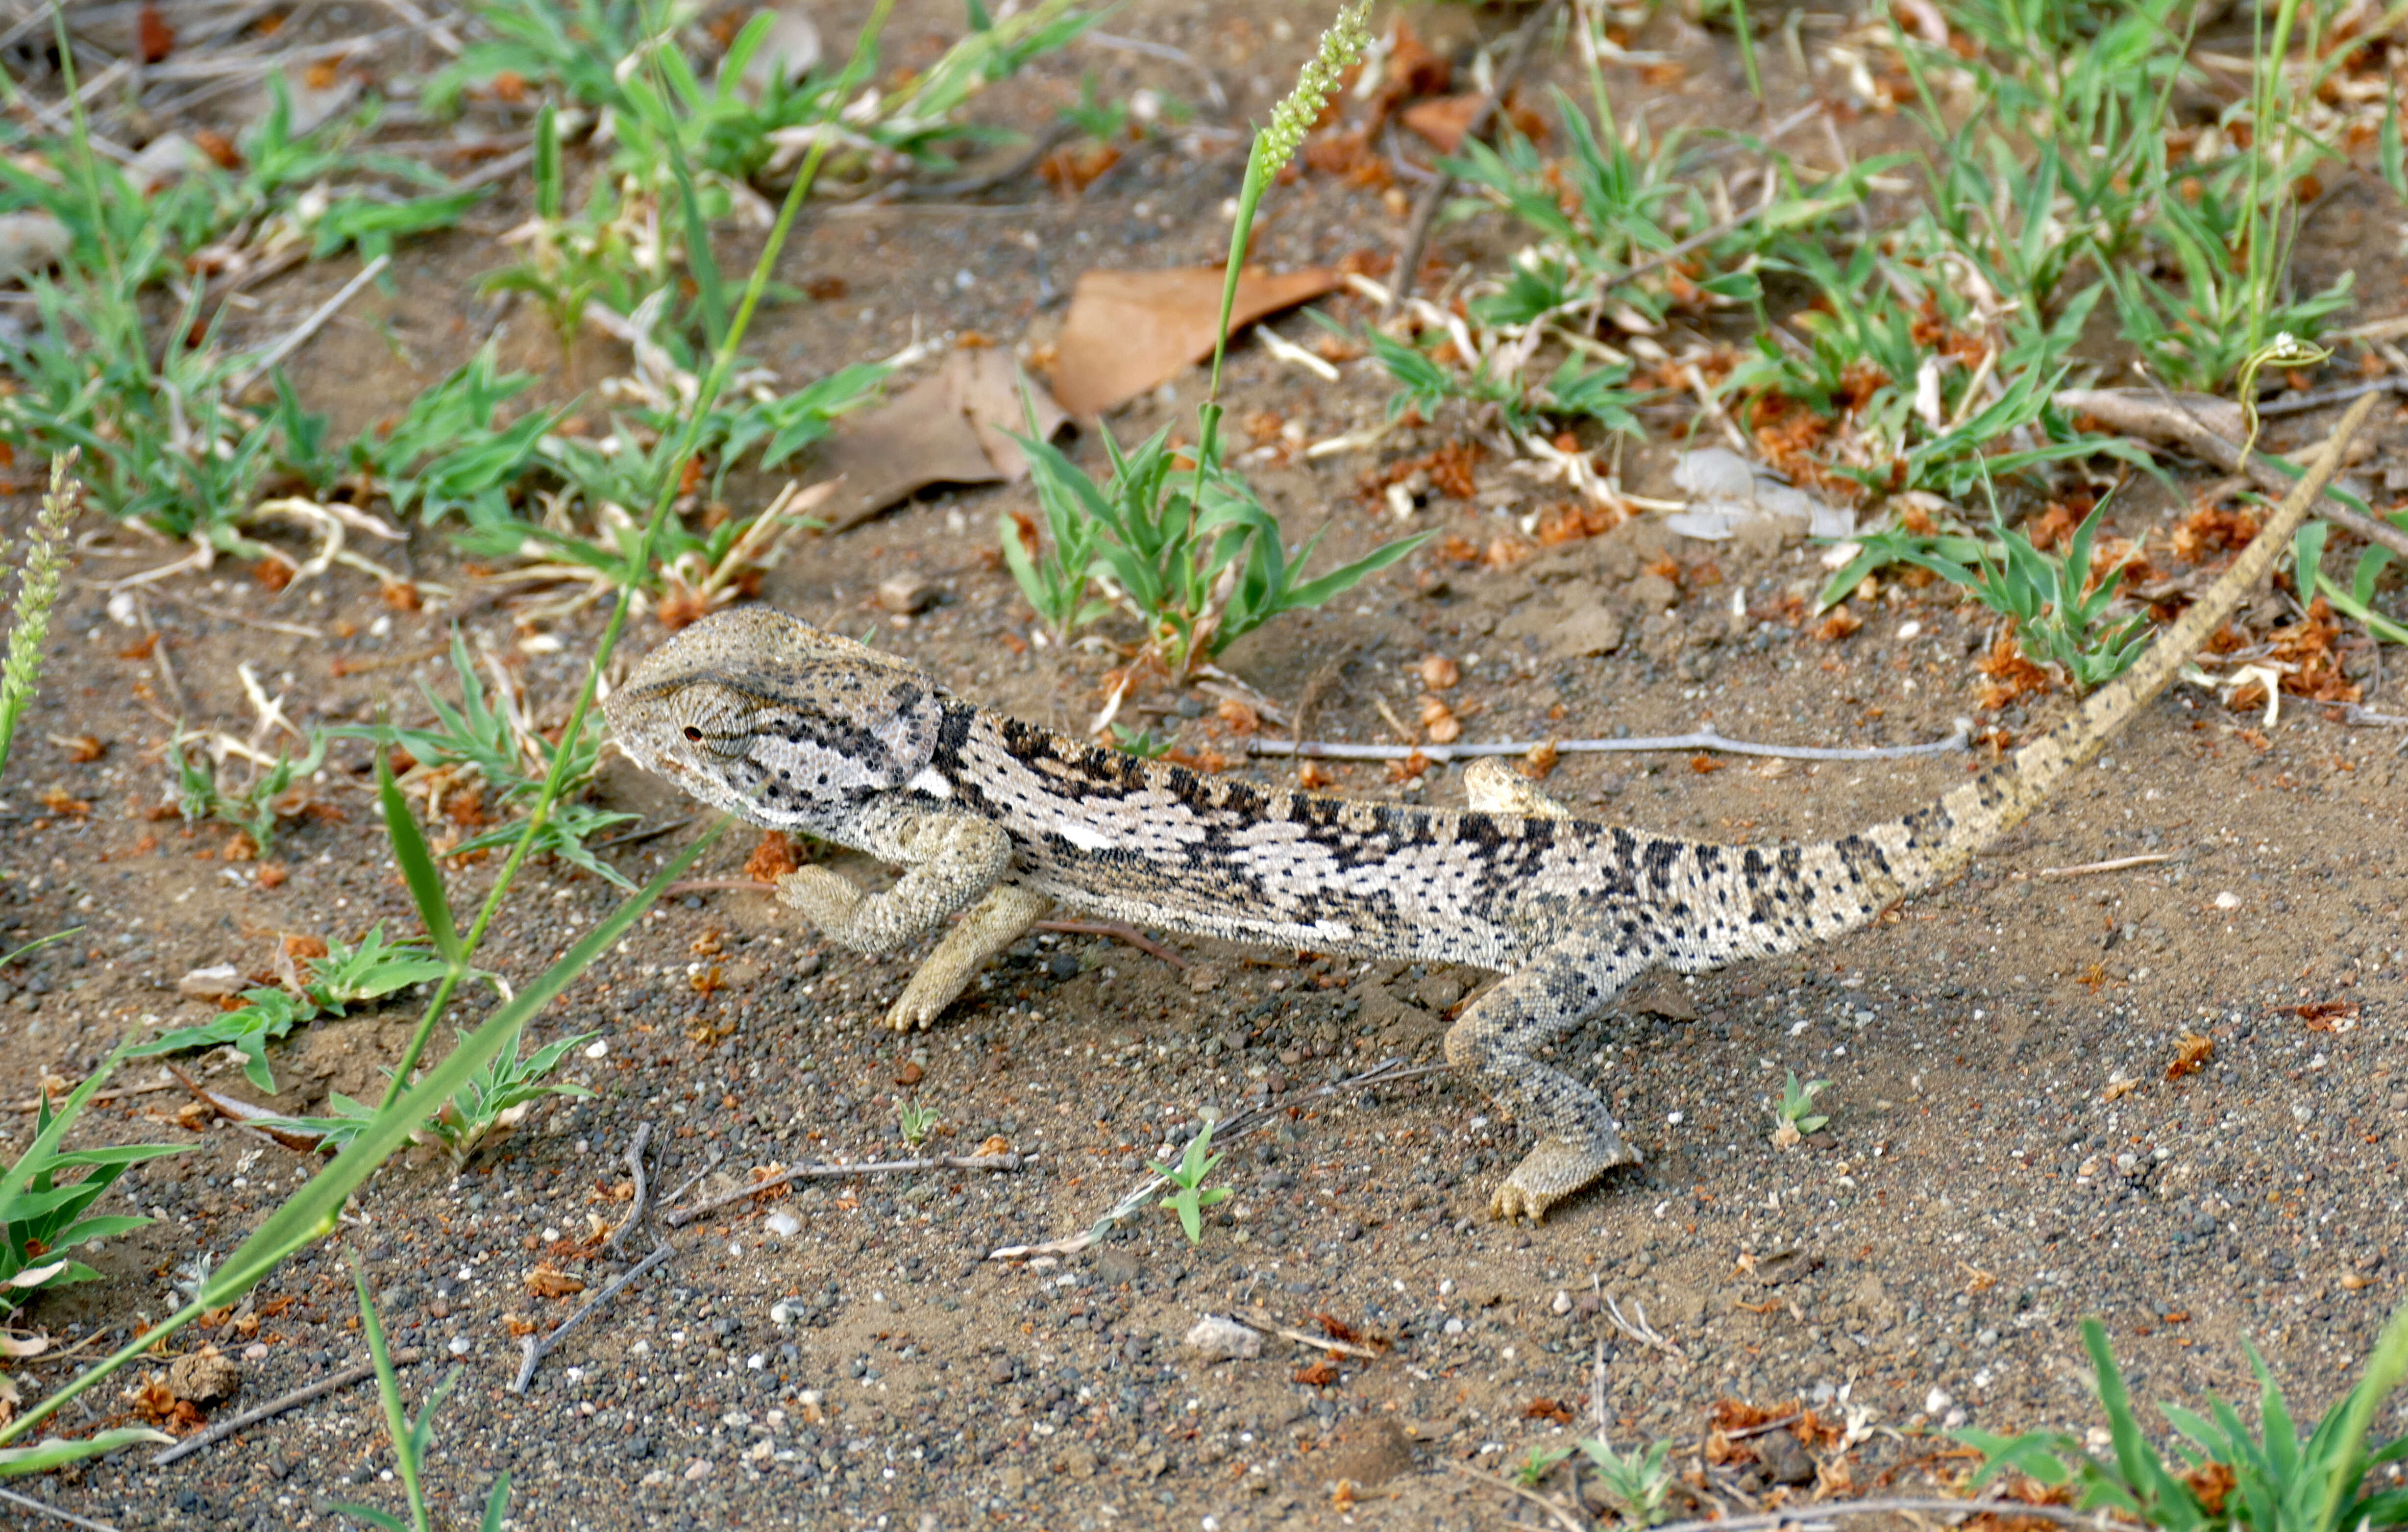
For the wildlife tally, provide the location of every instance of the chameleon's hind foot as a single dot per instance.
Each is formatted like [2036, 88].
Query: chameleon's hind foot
[1553, 1171]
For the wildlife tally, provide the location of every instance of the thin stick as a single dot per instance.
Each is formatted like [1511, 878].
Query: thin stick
[691, 1181]
[2118, 864]
[1554, 1507]
[278, 1405]
[1263, 1320]
[307, 327]
[1640, 1331]
[104, 1097]
[1115, 929]
[2294, 404]
[1426, 212]
[297, 630]
[535, 1348]
[2369, 718]
[48, 1509]
[635, 1158]
[1389, 1071]
[167, 683]
[1702, 740]
[820, 1170]
[1800, 1515]
[2205, 442]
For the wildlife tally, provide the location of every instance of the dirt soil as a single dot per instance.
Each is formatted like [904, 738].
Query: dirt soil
[2009, 1147]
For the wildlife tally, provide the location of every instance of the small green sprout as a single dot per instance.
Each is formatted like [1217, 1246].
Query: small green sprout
[1796, 1111]
[917, 1120]
[1636, 1484]
[1539, 1462]
[1193, 1195]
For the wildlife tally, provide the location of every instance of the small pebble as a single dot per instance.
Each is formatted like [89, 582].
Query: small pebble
[1219, 1340]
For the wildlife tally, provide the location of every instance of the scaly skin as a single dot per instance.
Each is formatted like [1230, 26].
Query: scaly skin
[789, 727]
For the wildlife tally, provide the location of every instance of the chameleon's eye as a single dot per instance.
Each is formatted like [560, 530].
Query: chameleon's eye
[693, 735]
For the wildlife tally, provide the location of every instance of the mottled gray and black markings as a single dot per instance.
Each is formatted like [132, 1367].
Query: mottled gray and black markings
[787, 726]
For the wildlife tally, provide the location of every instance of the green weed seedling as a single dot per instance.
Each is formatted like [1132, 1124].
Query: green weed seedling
[1537, 1464]
[314, 1209]
[410, 1438]
[489, 734]
[493, 1099]
[2270, 1481]
[347, 975]
[1636, 1484]
[1190, 550]
[1139, 741]
[255, 806]
[1174, 535]
[2057, 623]
[1191, 1196]
[2061, 619]
[1796, 1109]
[917, 1120]
[43, 1208]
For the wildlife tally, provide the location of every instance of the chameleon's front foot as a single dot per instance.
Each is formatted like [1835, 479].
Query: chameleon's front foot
[1553, 1171]
[990, 925]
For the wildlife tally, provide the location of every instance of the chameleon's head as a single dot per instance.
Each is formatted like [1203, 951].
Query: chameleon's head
[776, 721]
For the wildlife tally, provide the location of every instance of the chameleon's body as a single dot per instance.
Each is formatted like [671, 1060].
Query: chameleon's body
[787, 726]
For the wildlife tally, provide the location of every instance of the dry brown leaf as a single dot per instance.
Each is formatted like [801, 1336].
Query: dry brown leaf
[1444, 121]
[1128, 331]
[773, 859]
[2190, 1055]
[953, 427]
[548, 1281]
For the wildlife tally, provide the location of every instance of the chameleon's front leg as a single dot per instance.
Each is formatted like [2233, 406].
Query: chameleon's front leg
[953, 859]
[1499, 1039]
[992, 925]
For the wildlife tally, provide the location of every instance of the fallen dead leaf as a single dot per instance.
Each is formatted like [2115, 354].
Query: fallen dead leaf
[1444, 121]
[773, 859]
[1128, 331]
[2190, 1055]
[548, 1281]
[953, 427]
[2329, 1015]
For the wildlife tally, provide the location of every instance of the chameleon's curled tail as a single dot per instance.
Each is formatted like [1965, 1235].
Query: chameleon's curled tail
[1851, 879]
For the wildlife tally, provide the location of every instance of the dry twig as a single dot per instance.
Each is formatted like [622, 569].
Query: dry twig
[2116, 865]
[1702, 740]
[45, 1507]
[635, 1158]
[1553, 1507]
[535, 1348]
[278, 1405]
[1802, 1516]
[1435, 194]
[679, 1217]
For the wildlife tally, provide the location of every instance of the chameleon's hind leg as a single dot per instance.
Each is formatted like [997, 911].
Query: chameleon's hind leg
[1500, 1036]
[985, 929]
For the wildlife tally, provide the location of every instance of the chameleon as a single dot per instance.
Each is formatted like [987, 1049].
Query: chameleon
[994, 820]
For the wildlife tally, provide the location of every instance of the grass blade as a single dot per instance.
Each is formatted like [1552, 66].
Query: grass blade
[310, 1213]
[418, 868]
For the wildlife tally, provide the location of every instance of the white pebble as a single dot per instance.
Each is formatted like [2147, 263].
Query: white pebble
[1936, 1401]
[1219, 1340]
[460, 1345]
[786, 1225]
